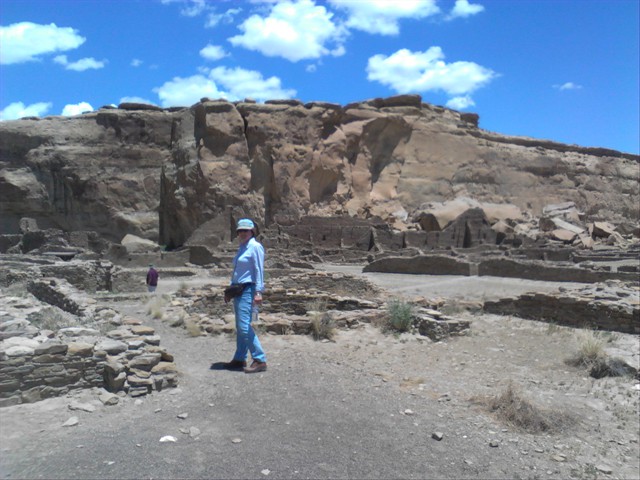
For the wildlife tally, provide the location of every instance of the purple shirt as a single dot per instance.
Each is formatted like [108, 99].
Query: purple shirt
[152, 277]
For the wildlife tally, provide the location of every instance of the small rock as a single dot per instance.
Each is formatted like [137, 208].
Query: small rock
[236, 440]
[437, 436]
[265, 472]
[85, 407]
[168, 438]
[183, 415]
[72, 422]
[108, 398]
[194, 432]
[559, 458]
[604, 469]
[408, 412]
[494, 443]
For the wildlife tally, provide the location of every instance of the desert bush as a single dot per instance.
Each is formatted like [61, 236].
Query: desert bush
[452, 307]
[589, 349]
[511, 407]
[399, 315]
[322, 324]
[182, 289]
[192, 328]
[155, 307]
[552, 328]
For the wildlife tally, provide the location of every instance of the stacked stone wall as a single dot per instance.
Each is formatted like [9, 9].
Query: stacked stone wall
[49, 370]
[504, 267]
[47, 291]
[570, 311]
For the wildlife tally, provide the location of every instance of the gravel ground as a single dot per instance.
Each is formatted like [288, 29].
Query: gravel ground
[366, 405]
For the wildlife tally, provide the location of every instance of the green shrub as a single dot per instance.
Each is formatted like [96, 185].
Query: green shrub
[399, 315]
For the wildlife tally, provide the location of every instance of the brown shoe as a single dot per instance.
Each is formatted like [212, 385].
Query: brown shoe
[235, 365]
[256, 367]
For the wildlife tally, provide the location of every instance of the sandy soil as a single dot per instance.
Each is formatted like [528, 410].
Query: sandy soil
[365, 405]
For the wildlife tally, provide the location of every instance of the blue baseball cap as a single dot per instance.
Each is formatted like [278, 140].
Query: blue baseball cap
[245, 224]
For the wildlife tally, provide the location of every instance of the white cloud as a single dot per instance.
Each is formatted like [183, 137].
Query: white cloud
[463, 9]
[312, 67]
[193, 8]
[461, 103]
[213, 52]
[568, 86]
[80, 65]
[17, 110]
[136, 62]
[214, 19]
[382, 16]
[407, 71]
[242, 83]
[221, 82]
[25, 41]
[71, 110]
[184, 92]
[136, 100]
[294, 31]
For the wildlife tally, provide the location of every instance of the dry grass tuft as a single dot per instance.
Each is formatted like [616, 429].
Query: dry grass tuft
[192, 328]
[590, 349]
[155, 307]
[511, 408]
[322, 324]
[183, 289]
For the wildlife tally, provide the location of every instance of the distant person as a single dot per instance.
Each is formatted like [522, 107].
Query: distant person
[247, 285]
[152, 278]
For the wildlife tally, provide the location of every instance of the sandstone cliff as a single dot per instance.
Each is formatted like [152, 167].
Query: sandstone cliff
[163, 174]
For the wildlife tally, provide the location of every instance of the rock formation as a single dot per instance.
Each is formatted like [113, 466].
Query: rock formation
[165, 174]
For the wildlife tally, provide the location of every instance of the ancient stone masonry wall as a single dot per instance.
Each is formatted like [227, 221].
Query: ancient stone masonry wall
[532, 270]
[59, 340]
[32, 373]
[130, 360]
[571, 310]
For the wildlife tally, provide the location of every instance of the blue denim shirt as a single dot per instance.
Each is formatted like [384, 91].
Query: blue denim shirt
[249, 264]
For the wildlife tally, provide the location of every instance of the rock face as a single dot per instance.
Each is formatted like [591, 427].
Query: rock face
[163, 174]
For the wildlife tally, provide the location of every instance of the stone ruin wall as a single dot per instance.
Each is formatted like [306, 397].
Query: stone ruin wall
[49, 370]
[38, 363]
[570, 311]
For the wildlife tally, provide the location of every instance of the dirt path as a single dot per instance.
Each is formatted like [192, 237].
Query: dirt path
[363, 406]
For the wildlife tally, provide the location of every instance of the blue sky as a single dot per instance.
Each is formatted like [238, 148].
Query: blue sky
[563, 70]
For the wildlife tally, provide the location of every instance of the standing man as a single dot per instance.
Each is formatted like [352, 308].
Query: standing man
[248, 276]
[152, 278]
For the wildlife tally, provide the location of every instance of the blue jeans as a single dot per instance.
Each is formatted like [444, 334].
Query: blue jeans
[246, 339]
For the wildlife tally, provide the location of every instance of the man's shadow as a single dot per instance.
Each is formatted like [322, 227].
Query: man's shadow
[224, 366]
